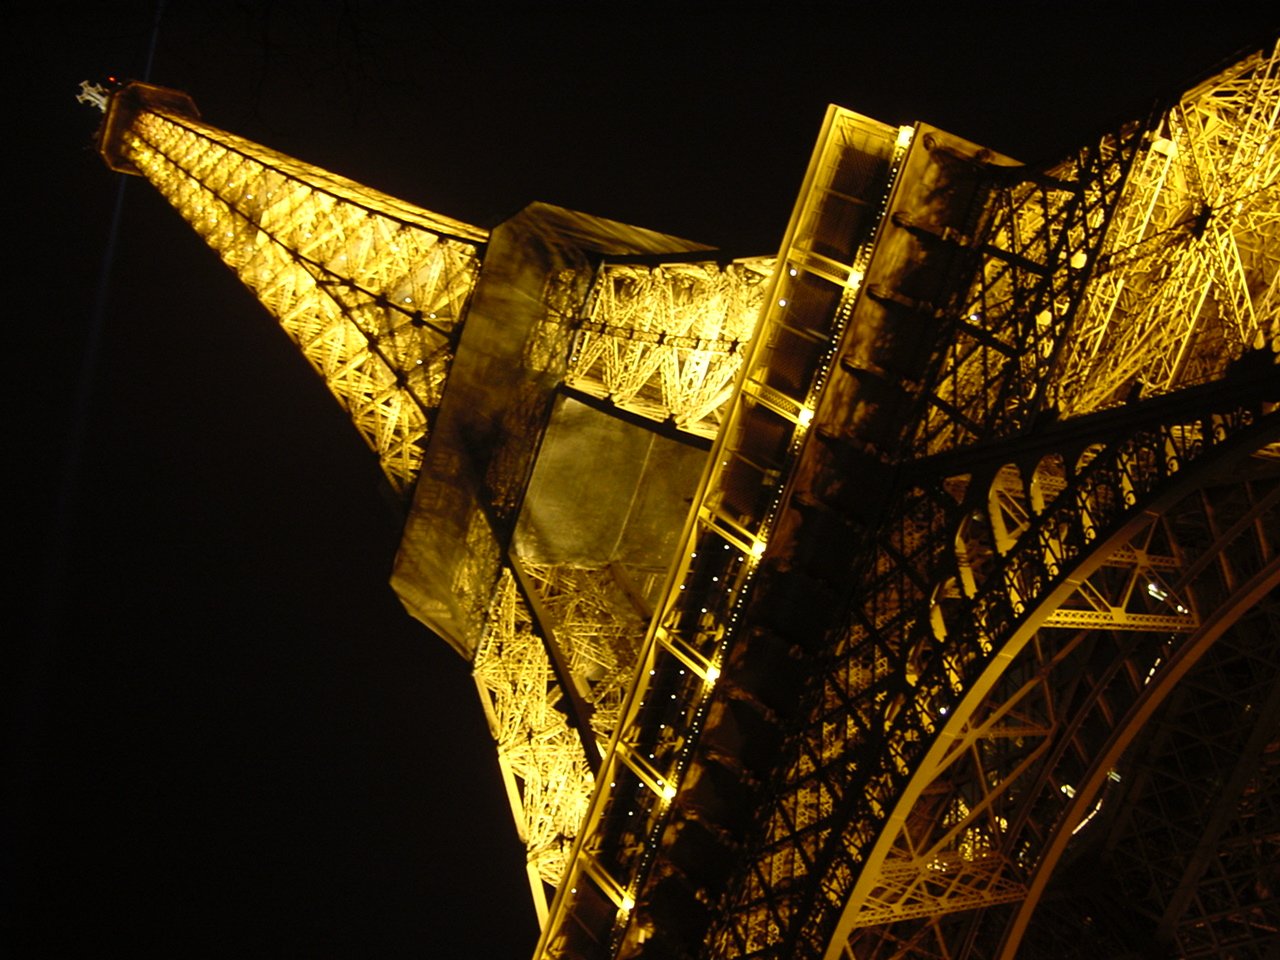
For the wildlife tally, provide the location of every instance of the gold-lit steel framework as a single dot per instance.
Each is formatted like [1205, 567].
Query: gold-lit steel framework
[542, 759]
[370, 288]
[1188, 277]
[990, 521]
[665, 342]
[375, 292]
[652, 759]
[1050, 478]
[1085, 519]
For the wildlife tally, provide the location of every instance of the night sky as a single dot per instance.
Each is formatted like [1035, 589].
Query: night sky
[224, 736]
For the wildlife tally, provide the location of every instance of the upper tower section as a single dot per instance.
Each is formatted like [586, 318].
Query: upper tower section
[372, 289]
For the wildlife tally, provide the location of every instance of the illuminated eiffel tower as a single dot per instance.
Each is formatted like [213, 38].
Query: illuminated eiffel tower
[912, 593]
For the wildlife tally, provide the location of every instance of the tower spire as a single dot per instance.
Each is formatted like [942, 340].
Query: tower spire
[373, 290]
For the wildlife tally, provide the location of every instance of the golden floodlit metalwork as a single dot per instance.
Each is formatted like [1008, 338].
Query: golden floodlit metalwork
[370, 288]
[666, 341]
[912, 593]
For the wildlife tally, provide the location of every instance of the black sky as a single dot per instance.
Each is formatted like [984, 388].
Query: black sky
[226, 736]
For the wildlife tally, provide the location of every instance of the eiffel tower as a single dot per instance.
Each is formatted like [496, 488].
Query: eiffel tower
[910, 592]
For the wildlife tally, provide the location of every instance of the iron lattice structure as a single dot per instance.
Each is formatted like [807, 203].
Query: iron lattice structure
[667, 342]
[370, 288]
[969, 643]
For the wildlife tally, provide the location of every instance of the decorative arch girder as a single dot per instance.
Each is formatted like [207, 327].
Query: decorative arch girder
[890, 681]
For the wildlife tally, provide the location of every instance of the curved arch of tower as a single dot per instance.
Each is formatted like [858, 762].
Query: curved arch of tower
[912, 592]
